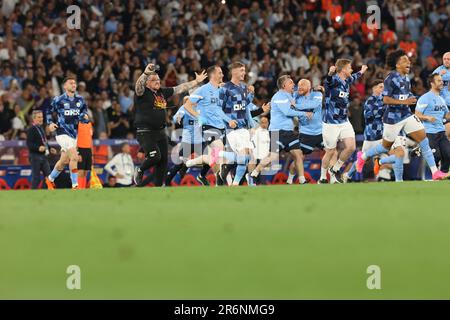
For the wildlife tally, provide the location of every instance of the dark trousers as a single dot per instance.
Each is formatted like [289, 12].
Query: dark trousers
[155, 145]
[39, 163]
[440, 144]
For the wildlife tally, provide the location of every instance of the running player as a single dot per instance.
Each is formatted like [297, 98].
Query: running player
[281, 127]
[397, 116]
[211, 117]
[70, 109]
[336, 125]
[432, 110]
[373, 116]
[311, 129]
[191, 142]
[236, 101]
[444, 71]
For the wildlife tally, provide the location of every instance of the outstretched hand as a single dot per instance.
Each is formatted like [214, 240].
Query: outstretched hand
[200, 77]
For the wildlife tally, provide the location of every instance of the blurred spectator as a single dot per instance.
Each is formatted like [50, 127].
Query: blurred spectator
[119, 38]
[121, 166]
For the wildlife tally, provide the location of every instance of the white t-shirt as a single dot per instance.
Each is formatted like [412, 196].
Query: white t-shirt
[261, 140]
[122, 164]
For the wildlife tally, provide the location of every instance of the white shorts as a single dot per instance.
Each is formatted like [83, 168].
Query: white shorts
[410, 124]
[239, 139]
[332, 133]
[66, 142]
[369, 144]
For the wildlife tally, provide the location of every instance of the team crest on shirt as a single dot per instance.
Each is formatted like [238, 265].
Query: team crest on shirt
[78, 104]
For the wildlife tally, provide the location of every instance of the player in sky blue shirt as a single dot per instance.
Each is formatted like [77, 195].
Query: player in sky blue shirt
[444, 71]
[191, 142]
[212, 120]
[283, 138]
[310, 129]
[398, 116]
[70, 109]
[432, 110]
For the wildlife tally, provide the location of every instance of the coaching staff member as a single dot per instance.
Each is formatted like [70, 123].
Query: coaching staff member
[150, 121]
[39, 150]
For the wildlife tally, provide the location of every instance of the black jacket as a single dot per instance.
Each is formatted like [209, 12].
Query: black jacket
[36, 138]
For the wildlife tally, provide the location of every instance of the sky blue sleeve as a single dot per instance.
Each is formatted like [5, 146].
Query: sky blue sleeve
[180, 113]
[197, 95]
[422, 104]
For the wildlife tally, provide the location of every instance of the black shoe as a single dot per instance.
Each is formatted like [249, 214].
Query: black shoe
[203, 181]
[137, 177]
[335, 177]
[322, 181]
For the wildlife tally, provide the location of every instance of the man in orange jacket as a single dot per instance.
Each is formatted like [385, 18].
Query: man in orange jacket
[84, 144]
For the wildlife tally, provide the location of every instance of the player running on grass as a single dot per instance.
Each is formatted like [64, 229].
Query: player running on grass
[235, 99]
[70, 109]
[308, 100]
[336, 125]
[282, 135]
[432, 110]
[398, 116]
[373, 116]
[191, 142]
[211, 118]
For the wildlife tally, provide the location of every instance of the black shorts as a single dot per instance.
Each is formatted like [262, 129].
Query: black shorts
[308, 143]
[187, 149]
[440, 145]
[284, 141]
[86, 159]
[210, 134]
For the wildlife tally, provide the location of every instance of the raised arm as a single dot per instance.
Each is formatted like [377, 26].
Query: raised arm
[191, 84]
[139, 88]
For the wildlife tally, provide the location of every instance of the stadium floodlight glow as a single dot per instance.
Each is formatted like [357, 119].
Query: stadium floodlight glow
[223, 1]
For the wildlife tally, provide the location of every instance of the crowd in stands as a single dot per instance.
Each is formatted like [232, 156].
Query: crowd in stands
[117, 39]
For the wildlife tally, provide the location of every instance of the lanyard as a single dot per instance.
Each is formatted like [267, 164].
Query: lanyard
[43, 138]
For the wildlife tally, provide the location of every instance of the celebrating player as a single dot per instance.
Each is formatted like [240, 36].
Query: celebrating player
[397, 98]
[281, 127]
[336, 125]
[70, 109]
[211, 117]
[432, 110]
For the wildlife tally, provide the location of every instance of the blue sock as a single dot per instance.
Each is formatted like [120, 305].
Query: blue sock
[230, 156]
[241, 168]
[427, 153]
[352, 170]
[398, 169]
[54, 174]
[74, 177]
[388, 160]
[375, 150]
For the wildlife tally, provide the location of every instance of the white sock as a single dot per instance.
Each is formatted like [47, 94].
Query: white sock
[323, 173]
[254, 173]
[290, 178]
[302, 179]
[337, 166]
[433, 169]
[194, 162]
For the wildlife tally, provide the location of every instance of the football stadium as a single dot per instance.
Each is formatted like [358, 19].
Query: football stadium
[224, 150]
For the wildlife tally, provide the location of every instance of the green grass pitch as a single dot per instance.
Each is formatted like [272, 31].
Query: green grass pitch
[274, 242]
